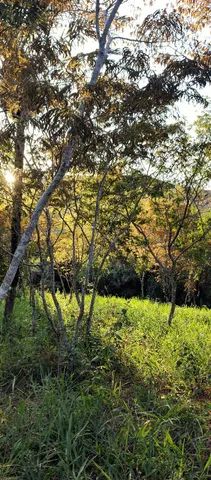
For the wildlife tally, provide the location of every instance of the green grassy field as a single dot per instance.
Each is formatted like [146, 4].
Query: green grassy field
[136, 406]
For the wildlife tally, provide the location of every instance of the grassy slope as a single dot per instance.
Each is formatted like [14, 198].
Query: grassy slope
[135, 408]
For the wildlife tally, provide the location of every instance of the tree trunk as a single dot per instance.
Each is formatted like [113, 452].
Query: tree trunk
[89, 266]
[91, 311]
[16, 213]
[142, 283]
[33, 305]
[173, 301]
[94, 292]
[42, 285]
[79, 321]
[61, 328]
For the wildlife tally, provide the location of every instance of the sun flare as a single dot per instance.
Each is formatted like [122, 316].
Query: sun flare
[9, 177]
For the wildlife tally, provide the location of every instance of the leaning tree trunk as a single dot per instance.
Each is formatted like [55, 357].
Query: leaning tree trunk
[16, 212]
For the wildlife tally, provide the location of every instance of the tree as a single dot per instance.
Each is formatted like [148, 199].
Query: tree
[133, 106]
[23, 82]
[172, 223]
[104, 42]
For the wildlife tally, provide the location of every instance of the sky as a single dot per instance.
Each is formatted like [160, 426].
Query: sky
[190, 111]
[139, 9]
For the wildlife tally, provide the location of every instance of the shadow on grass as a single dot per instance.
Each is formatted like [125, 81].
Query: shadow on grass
[101, 421]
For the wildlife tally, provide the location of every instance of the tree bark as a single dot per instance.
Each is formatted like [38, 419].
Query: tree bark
[94, 292]
[142, 283]
[173, 301]
[33, 305]
[16, 213]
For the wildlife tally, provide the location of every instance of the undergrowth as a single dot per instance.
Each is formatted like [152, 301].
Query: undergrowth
[135, 407]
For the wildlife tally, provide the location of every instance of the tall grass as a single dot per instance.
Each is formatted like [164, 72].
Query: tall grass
[136, 406]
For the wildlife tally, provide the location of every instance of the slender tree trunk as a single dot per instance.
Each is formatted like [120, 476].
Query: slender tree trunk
[33, 305]
[79, 320]
[142, 283]
[61, 328]
[16, 213]
[89, 266]
[42, 285]
[32, 302]
[59, 273]
[173, 300]
[75, 268]
[187, 298]
[94, 292]
[91, 311]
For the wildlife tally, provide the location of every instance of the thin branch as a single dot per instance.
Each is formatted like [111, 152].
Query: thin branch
[97, 24]
[110, 19]
[142, 232]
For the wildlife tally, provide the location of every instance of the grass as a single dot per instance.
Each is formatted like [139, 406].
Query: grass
[136, 406]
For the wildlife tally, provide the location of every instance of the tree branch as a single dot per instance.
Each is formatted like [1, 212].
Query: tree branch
[97, 25]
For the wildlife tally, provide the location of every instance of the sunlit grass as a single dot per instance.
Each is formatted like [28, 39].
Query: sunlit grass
[136, 406]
